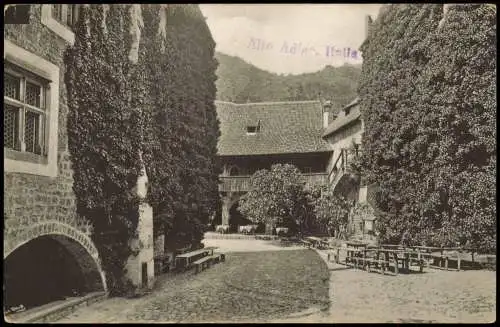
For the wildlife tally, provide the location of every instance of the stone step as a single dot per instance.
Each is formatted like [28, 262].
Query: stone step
[218, 236]
[54, 311]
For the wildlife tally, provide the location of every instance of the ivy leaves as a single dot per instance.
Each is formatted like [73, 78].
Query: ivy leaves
[118, 109]
[182, 126]
[428, 104]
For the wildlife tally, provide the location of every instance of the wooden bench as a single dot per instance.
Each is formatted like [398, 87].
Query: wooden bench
[218, 257]
[209, 260]
[376, 265]
[203, 263]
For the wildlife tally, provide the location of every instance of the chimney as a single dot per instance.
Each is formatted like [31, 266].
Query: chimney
[368, 23]
[327, 106]
[325, 119]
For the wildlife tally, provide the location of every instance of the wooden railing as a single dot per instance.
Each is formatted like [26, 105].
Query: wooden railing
[234, 183]
[312, 179]
[242, 183]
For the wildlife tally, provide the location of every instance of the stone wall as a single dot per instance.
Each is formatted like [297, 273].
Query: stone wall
[30, 200]
[40, 40]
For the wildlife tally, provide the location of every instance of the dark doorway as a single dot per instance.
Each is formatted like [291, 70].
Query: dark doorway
[237, 219]
[39, 272]
[144, 274]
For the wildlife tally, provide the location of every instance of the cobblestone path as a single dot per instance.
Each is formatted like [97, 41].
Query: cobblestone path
[270, 286]
[249, 286]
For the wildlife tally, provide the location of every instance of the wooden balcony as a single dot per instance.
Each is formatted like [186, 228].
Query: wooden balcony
[341, 166]
[234, 183]
[242, 183]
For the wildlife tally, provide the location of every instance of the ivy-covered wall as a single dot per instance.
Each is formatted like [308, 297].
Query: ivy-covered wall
[428, 102]
[141, 85]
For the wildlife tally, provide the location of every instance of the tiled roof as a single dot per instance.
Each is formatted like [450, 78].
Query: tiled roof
[285, 127]
[343, 119]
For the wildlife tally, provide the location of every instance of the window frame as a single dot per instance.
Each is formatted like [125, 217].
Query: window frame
[65, 9]
[30, 64]
[64, 31]
[23, 107]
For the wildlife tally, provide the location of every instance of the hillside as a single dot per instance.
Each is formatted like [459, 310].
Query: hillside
[240, 82]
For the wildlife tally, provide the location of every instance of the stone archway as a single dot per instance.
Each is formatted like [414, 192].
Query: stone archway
[74, 245]
[347, 186]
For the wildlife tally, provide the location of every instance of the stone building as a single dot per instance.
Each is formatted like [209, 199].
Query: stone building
[344, 135]
[48, 250]
[255, 136]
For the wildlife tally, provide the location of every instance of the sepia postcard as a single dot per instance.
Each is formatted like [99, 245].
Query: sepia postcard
[250, 163]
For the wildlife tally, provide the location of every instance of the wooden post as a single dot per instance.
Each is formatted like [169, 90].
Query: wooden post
[458, 261]
[338, 256]
[396, 268]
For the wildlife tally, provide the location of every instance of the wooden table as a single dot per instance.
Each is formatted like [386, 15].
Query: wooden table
[380, 258]
[315, 240]
[352, 256]
[427, 253]
[357, 245]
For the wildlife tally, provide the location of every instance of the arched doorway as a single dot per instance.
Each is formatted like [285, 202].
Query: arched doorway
[49, 268]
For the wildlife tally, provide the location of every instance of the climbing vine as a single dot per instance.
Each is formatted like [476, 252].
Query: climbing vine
[428, 102]
[182, 161]
[103, 132]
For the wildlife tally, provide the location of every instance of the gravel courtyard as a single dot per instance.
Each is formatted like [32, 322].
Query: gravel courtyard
[261, 281]
[436, 296]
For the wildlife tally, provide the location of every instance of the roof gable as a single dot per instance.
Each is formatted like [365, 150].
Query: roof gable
[285, 127]
[344, 119]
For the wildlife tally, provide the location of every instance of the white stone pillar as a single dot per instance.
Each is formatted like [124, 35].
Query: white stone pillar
[226, 203]
[140, 267]
[363, 191]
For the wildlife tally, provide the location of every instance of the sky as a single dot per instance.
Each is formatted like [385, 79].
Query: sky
[290, 38]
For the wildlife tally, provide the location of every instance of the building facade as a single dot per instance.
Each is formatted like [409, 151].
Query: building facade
[255, 136]
[47, 247]
[344, 135]
[48, 250]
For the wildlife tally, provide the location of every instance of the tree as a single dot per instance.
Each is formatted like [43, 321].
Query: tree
[276, 198]
[332, 211]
